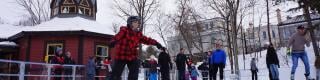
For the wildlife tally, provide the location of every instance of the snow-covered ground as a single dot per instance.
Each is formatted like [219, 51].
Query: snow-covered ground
[284, 69]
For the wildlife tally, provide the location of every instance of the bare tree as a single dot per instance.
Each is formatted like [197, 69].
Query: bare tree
[180, 21]
[143, 8]
[230, 10]
[115, 27]
[38, 10]
[162, 26]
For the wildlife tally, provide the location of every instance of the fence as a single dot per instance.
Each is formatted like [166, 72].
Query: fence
[43, 71]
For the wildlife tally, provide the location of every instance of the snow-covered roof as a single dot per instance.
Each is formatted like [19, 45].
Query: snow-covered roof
[71, 24]
[57, 24]
[7, 30]
[8, 43]
[300, 19]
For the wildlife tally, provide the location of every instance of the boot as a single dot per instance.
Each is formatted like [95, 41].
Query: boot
[292, 77]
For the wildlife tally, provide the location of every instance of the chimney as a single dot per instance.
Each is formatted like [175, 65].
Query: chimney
[279, 16]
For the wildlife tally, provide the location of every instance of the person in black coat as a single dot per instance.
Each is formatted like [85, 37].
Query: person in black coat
[165, 65]
[272, 63]
[68, 69]
[181, 61]
[204, 67]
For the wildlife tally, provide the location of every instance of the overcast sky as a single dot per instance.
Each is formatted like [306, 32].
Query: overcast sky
[11, 13]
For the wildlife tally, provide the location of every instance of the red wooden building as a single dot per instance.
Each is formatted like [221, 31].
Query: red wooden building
[72, 27]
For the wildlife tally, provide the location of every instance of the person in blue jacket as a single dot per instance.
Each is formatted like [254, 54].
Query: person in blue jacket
[217, 61]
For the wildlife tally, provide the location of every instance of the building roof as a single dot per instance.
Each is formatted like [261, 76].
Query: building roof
[300, 19]
[71, 24]
[8, 30]
[58, 25]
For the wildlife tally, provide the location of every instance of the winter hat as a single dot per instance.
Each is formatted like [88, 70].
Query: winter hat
[300, 27]
[58, 49]
[131, 19]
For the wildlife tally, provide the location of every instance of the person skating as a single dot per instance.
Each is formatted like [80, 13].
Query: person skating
[204, 69]
[218, 61]
[317, 66]
[126, 42]
[194, 72]
[297, 42]
[107, 65]
[165, 65]
[272, 62]
[153, 68]
[254, 69]
[181, 61]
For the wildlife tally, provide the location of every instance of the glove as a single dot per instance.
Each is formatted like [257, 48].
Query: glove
[159, 46]
[112, 44]
[288, 51]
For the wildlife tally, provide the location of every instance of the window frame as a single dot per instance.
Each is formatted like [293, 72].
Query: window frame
[66, 2]
[47, 49]
[104, 46]
[68, 9]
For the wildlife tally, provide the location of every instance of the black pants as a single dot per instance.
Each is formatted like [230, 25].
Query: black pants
[119, 65]
[165, 75]
[68, 72]
[270, 76]
[254, 75]
[181, 74]
[58, 72]
[204, 75]
[97, 73]
[214, 71]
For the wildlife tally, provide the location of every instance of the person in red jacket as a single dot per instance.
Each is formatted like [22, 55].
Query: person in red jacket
[58, 59]
[126, 43]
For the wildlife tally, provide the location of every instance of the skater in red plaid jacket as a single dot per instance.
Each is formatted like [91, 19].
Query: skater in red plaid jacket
[126, 44]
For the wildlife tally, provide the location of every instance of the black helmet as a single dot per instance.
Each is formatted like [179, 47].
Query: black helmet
[132, 18]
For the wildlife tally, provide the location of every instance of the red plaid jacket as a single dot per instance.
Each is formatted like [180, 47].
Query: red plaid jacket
[127, 43]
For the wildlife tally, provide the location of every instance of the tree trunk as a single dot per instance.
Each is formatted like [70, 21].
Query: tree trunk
[268, 20]
[243, 49]
[310, 28]
[229, 46]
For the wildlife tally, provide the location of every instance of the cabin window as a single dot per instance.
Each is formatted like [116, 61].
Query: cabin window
[85, 11]
[101, 52]
[68, 9]
[51, 50]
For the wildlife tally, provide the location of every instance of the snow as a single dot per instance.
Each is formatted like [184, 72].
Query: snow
[71, 24]
[284, 70]
[8, 43]
[7, 30]
[58, 24]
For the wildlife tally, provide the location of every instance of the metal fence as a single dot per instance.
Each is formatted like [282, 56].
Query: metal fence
[44, 71]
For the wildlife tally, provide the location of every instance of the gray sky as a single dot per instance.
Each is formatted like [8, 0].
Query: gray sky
[11, 13]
